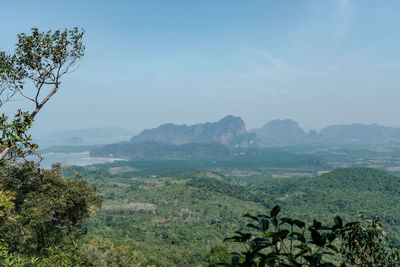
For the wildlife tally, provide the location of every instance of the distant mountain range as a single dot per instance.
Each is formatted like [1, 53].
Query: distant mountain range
[361, 132]
[220, 139]
[288, 132]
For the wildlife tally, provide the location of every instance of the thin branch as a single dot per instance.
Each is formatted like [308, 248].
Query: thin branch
[7, 97]
[37, 94]
[4, 153]
[27, 97]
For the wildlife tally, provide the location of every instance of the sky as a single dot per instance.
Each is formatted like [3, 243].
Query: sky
[151, 62]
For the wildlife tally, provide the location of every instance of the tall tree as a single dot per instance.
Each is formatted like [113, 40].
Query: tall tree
[40, 60]
[40, 210]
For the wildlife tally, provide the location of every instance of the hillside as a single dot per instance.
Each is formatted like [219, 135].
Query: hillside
[175, 218]
[343, 191]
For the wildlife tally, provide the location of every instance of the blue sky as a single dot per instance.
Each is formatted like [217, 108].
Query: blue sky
[152, 62]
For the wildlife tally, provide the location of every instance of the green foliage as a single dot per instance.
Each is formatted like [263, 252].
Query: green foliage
[5, 258]
[343, 191]
[94, 252]
[103, 252]
[223, 187]
[47, 52]
[366, 244]
[170, 222]
[49, 209]
[176, 217]
[285, 242]
[218, 255]
[14, 134]
[6, 204]
[289, 242]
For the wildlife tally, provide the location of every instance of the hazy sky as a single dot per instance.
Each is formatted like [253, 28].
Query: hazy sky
[150, 62]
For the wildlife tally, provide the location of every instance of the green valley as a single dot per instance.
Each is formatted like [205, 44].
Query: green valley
[175, 218]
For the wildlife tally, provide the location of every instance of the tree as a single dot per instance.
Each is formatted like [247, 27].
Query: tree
[48, 209]
[40, 59]
[41, 212]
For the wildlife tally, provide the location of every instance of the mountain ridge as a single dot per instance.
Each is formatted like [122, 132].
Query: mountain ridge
[221, 138]
[288, 132]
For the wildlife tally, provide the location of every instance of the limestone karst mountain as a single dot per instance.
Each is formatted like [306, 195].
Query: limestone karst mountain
[280, 132]
[230, 131]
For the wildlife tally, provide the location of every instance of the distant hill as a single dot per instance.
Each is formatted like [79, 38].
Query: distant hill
[288, 132]
[153, 149]
[92, 133]
[360, 132]
[230, 131]
[280, 131]
[73, 140]
[88, 136]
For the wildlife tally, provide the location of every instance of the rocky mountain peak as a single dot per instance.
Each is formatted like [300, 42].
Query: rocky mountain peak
[230, 131]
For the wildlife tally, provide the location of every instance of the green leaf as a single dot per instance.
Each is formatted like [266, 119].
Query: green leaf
[338, 221]
[253, 226]
[333, 248]
[299, 223]
[250, 216]
[280, 235]
[264, 225]
[275, 210]
[269, 234]
[317, 238]
[316, 224]
[274, 221]
[286, 220]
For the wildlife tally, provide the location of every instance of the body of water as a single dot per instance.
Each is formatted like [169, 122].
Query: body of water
[79, 159]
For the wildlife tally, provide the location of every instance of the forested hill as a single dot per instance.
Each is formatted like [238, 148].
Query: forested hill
[159, 150]
[192, 211]
[343, 191]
